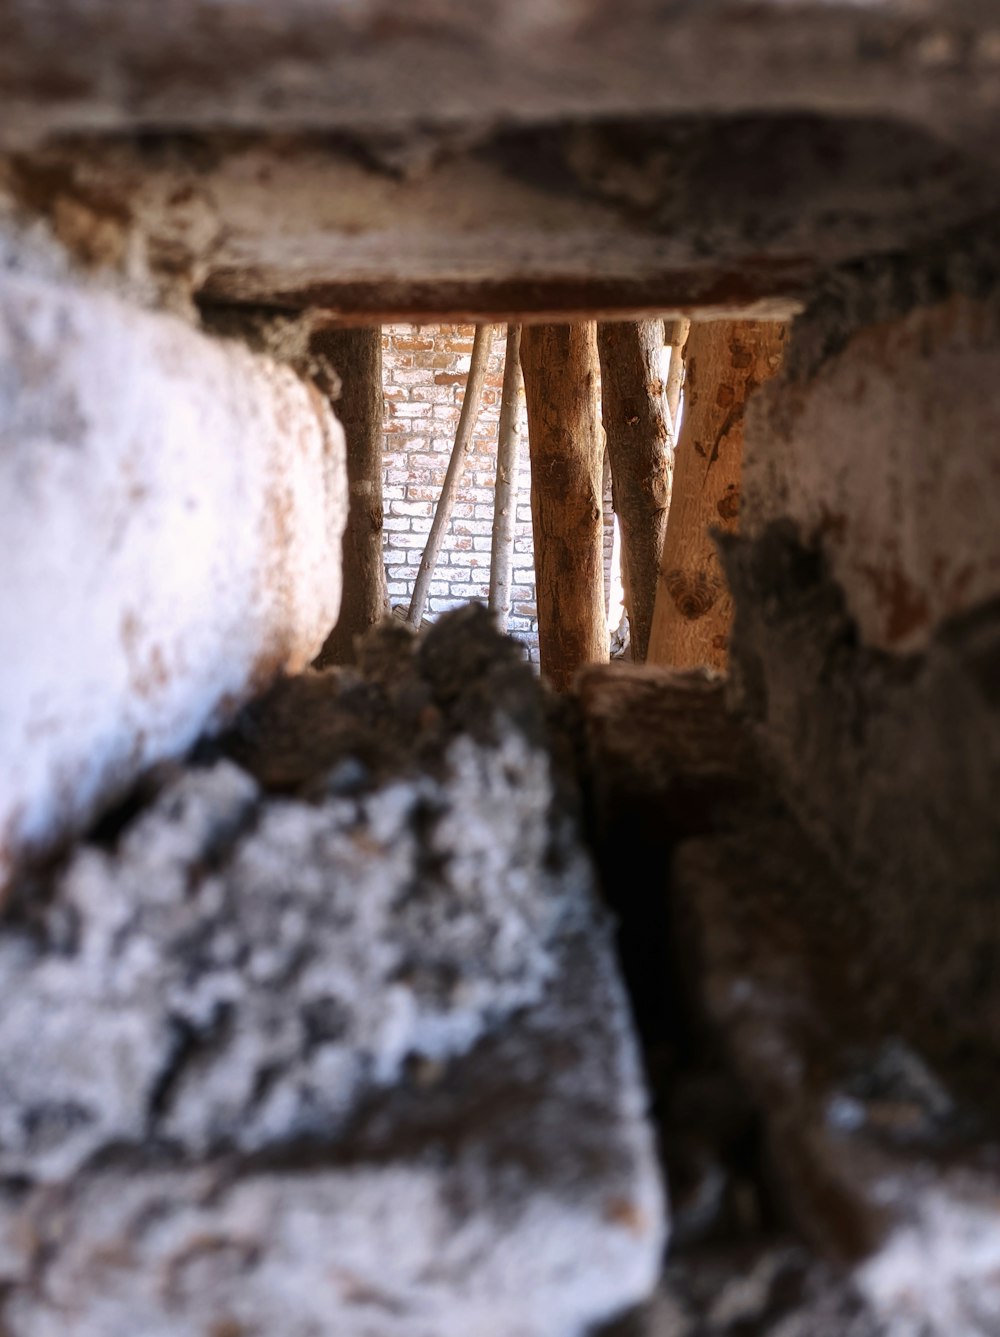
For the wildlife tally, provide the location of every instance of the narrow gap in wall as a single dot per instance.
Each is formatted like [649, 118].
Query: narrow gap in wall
[710, 1139]
[424, 374]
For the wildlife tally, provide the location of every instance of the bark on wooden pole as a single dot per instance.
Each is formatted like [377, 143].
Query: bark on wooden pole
[560, 366]
[505, 491]
[463, 437]
[356, 355]
[640, 447]
[726, 360]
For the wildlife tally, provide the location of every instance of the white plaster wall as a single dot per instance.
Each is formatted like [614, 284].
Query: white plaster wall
[171, 509]
[888, 458]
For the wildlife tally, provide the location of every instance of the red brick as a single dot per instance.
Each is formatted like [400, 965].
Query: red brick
[412, 342]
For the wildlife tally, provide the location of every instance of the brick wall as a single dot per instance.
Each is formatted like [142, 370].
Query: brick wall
[424, 373]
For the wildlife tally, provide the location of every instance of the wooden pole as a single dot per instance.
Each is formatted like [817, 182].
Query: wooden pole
[640, 448]
[356, 355]
[449, 488]
[505, 492]
[560, 366]
[675, 335]
[726, 361]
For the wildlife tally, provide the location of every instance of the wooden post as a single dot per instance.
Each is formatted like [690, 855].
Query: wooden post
[560, 366]
[640, 447]
[356, 355]
[675, 335]
[726, 361]
[505, 492]
[449, 488]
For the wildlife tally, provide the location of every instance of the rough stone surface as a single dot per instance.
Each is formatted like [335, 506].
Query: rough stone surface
[74, 64]
[883, 1157]
[866, 658]
[866, 644]
[775, 1289]
[665, 763]
[893, 765]
[854, 1016]
[831, 901]
[884, 450]
[718, 157]
[171, 516]
[340, 1048]
[331, 1061]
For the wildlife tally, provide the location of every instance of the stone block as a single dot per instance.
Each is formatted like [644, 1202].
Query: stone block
[171, 509]
[885, 453]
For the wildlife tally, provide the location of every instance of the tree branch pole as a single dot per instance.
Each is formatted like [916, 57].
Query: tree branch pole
[675, 336]
[561, 371]
[640, 448]
[456, 464]
[356, 355]
[726, 361]
[505, 492]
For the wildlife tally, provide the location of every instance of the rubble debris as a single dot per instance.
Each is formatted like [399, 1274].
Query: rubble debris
[339, 1048]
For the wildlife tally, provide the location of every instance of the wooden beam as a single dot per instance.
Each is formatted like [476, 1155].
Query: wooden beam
[726, 361]
[560, 365]
[640, 448]
[356, 355]
[675, 336]
[505, 491]
[481, 346]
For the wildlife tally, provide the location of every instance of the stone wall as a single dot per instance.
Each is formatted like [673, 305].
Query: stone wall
[348, 1046]
[818, 942]
[868, 572]
[866, 645]
[169, 536]
[424, 373]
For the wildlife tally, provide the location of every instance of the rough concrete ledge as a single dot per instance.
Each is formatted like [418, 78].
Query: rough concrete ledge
[69, 65]
[735, 213]
[170, 518]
